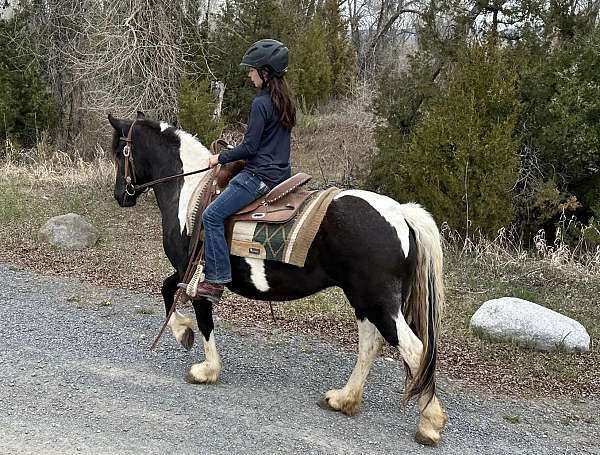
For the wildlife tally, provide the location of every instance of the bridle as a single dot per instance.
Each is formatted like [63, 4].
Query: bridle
[129, 165]
[131, 186]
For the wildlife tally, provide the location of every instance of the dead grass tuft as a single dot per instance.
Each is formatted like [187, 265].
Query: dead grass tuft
[507, 249]
[45, 165]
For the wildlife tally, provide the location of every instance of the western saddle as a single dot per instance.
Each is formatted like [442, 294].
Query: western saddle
[279, 205]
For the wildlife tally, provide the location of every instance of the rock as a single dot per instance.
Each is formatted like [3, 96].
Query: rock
[70, 231]
[529, 324]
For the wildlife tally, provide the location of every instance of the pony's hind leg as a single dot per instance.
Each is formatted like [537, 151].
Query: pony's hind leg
[348, 399]
[180, 324]
[206, 372]
[433, 417]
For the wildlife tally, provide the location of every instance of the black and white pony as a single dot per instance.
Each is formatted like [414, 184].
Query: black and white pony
[385, 256]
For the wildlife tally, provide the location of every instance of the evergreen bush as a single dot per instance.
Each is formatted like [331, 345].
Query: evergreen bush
[26, 105]
[196, 106]
[460, 159]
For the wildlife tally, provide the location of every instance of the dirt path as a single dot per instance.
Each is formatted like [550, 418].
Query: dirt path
[77, 377]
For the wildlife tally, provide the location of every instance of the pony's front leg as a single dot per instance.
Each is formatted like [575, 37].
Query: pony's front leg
[349, 399]
[208, 371]
[180, 324]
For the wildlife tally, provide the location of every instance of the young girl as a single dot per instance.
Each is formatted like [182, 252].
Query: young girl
[266, 149]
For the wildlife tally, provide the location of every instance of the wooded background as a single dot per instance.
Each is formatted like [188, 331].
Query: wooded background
[486, 112]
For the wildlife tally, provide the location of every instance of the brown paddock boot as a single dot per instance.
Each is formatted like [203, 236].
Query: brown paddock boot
[211, 291]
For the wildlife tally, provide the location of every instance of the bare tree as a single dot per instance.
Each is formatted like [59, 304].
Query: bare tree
[379, 29]
[116, 57]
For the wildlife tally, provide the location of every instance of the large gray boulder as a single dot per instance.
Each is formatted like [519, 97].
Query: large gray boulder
[70, 231]
[529, 324]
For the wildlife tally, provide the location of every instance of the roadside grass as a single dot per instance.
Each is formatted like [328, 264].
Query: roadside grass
[31, 193]
[130, 255]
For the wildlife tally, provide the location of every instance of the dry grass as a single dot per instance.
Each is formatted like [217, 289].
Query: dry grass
[335, 144]
[48, 166]
[38, 184]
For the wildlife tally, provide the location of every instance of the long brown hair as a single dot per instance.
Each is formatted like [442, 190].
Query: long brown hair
[282, 98]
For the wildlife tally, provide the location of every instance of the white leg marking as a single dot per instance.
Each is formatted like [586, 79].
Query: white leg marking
[257, 274]
[194, 156]
[349, 398]
[369, 341]
[208, 371]
[388, 209]
[433, 417]
[409, 345]
[178, 323]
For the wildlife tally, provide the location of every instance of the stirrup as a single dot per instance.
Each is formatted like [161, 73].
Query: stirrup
[192, 287]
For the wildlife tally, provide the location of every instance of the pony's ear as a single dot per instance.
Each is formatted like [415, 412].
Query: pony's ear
[140, 115]
[121, 126]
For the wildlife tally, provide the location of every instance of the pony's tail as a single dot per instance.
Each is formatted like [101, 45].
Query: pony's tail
[424, 303]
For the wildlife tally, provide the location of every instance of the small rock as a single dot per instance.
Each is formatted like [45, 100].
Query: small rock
[69, 231]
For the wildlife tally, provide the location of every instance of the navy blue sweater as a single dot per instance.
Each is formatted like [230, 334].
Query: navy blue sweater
[266, 144]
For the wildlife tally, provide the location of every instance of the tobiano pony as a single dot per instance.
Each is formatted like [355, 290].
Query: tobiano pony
[385, 256]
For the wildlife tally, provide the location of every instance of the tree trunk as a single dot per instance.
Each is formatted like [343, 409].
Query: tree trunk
[218, 90]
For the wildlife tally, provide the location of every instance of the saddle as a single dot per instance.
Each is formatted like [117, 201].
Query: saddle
[279, 205]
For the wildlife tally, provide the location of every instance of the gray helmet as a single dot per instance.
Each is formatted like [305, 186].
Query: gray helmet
[267, 53]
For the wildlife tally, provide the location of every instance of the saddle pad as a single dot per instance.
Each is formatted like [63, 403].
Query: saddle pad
[284, 242]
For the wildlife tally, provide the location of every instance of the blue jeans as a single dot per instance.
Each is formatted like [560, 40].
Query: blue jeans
[243, 189]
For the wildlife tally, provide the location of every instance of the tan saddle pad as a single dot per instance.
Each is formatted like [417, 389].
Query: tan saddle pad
[287, 241]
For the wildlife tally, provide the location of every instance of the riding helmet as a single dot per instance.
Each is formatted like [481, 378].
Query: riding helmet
[267, 53]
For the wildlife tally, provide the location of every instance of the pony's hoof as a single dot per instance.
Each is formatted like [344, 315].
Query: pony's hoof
[190, 379]
[187, 339]
[203, 373]
[337, 400]
[427, 436]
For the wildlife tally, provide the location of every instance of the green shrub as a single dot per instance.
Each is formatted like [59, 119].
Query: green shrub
[560, 121]
[196, 106]
[26, 106]
[342, 56]
[311, 71]
[572, 138]
[460, 159]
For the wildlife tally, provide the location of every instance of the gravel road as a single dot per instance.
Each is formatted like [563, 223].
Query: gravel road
[77, 376]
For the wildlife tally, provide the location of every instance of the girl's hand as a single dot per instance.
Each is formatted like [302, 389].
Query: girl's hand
[213, 160]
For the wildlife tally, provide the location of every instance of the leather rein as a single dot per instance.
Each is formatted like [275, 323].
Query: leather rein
[130, 181]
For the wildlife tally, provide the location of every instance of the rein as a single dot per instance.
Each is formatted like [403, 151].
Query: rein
[166, 179]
